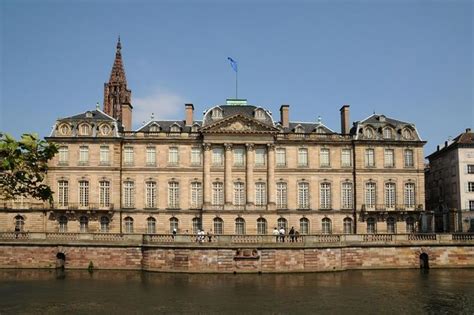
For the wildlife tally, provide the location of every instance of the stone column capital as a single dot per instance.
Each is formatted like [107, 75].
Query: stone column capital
[206, 146]
[271, 146]
[228, 146]
[249, 146]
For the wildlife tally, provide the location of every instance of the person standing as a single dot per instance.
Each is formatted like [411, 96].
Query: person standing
[292, 234]
[282, 234]
[276, 233]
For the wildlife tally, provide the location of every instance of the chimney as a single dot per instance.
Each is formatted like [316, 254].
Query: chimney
[345, 119]
[468, 130]
[189, 114]
[445, 144]
[285, 116]
[437, 147]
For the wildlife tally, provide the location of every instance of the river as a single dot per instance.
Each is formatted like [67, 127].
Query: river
[445, 291]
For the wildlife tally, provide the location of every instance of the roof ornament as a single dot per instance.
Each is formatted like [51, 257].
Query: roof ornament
[119, 45]
[319, 119]
[97, 107]
[152, 116]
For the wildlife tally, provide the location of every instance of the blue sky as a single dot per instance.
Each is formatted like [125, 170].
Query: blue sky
[410, 60]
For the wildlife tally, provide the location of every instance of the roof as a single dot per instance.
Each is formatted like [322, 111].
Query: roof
[165, 125]
[308, 127]
[382, 119]
[465, 139]
[244, 110]
[96, 114]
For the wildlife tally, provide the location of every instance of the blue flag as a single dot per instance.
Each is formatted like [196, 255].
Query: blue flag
[233, 63]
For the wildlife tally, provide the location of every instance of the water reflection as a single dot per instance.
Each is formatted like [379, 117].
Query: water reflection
[354, 292]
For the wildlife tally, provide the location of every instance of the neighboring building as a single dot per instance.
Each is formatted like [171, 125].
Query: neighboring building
[236, 171]
[450, 184]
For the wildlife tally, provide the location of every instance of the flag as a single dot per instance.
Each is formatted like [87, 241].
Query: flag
[233, 63]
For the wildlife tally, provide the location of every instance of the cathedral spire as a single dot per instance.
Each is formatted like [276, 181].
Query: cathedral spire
[117, 74]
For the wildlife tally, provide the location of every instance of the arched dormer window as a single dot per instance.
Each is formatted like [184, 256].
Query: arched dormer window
[259, 114]
[216, 113]
[84, 129]
[387, 133]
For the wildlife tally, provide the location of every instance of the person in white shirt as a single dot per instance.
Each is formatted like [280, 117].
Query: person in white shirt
[276, 233]
[282, 234]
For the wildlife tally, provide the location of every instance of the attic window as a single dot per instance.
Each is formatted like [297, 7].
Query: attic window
[259, 114]
[319, 130]
[84, 129]
[175, 128]
[89, 114]
[381, 118]
[387, 133]
[195, 128]
[216, 113]
[299, 129]
[154, 128]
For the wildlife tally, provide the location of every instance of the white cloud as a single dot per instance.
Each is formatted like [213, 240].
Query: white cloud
[163, 104]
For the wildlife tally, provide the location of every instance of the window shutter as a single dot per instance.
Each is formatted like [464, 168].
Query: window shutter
[465, 169]
[466, 187]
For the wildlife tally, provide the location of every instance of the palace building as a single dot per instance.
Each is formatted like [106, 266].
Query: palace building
[236, 170]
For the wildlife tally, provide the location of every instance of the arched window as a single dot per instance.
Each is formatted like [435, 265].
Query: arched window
[410, 225]
[391, 225]
[19, 223]
[347, 226]
[151, 225]
[239, 226]
[104, 224]
[282, 223]
[261, 226]
[128, 225]
[390, 195]
[84, 224]
[174, 224]
[216, 113]
[326, 226]
[84, 129]
[218, 226]
[387, 133]
[196, 225]
[63, 224]
[304, 226]
[371, 226]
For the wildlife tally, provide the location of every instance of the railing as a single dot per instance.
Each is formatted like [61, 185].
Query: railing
[384, 207]
[422, 237]
[78, 206]
[25, 205]
[377, 237]
[463, 237]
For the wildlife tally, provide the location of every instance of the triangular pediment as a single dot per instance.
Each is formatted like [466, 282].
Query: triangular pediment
[239, 124]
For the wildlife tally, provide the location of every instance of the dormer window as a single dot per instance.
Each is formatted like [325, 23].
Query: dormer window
[154, 128]
[89, 114]
[84, 129]
[259, 114]
[320, 130]
[387, 133]
[175, 128]
[216, 113]
[195, 128]
[381, 118]
[299, 129]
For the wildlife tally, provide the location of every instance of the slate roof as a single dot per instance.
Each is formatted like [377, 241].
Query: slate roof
[375, 119]
[308, 127]
[165, 125]
[97, 114]
[465, 139]
[244, 110]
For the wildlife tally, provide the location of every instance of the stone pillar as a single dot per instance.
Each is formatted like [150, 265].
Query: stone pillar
[228, 174]
[249, 191]
[207, 174]
[271, 177]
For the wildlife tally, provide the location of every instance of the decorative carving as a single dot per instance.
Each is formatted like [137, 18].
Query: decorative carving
[64, 129]
[271, 147]
[236, 126]
[206, 146]
[228, 146]
[250, 146]
[246, 253]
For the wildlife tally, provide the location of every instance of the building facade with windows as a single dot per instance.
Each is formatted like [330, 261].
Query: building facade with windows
[236, 170]
[450, 184]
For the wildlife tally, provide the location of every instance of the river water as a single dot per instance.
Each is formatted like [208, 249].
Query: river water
[448, 291]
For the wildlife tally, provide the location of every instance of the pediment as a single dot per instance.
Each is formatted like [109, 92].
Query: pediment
[239, 124]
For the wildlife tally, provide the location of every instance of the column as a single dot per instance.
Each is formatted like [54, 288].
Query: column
[271, 177]
[207, 174]
[249, 161]
[228, 174]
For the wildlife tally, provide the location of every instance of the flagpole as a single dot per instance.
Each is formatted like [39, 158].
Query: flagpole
[236, 84]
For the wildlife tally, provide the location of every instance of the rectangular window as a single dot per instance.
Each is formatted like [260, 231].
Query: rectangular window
[239, 194]
[196, 195]
[346, 158]
[369, 158]
[195, 156]
[151, 156]
[63, 193]
[302, 157]
[324, 157]
[347, 196]
[218, 156]
[151, 195]
[470, 186]
[260, 194]
[83, 154]
[470, 169]
[280, 157]
[471, 205]
[173, 156]
[303, 196]
[239, 156]
[83, 193]
[260, 156]
[104, 157]
[63, 155]
[217, 194]
[173, 195]
[325, 196]
[390, 195]
[128, 155]
[282, 196]
[370, 195]
[409, 158]
[388, 158]
[128, 194]
[104, 194]
[410, 195]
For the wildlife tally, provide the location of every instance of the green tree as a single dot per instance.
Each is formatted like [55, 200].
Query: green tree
[23, 166]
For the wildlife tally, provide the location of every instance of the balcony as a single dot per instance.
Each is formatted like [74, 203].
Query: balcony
[77, 206]
[10, 205]
[388, 208]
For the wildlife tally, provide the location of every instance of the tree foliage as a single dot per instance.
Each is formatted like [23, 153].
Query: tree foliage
[23, 166]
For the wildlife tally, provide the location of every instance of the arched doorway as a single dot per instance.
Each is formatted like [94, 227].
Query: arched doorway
[60, 260]
[424, 261]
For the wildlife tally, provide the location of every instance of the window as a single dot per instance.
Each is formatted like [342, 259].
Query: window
[104, 224]
[281, 196]
[63, 155]
[216, 113]
[151, 156]
[128, 225]
[369, 158]
[83, 224]
[218, 226]
[410, 195]
[104, 193]
[217, 194]
[83, 193]
[83, 154]
[326, 226]
[150, 195]
[151, 225]
[173, 156]
[63, 193]
[387, 133]
[304, 226]
[128, 155]
[388, 158]
[154, 128]
[62, 224]
[84, 130]
[391, 226]
[346, 158]
[324, 158]
[19, 223]
[217, 156]
[260, 194]
[303, 195]
[390, 195]
[259, 114]
[239, 157]
[280, 157]
[470, 186]
[347, 195]
[104, 157]
[471, 205]
[371, 226]
[196, 225]
[409, 158]
[195, 156]
[370, 195]
[196, 195]
[282, 223]
[410, 225]
[325, 196]
[347, 226]
[470, 169]
[174, 224]
[260, 155]
[175, 128]
[239, 194]
[299, 129]
[128, 194]
[173, 195]
[239, 226]
[261, 226]
[302, 157]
